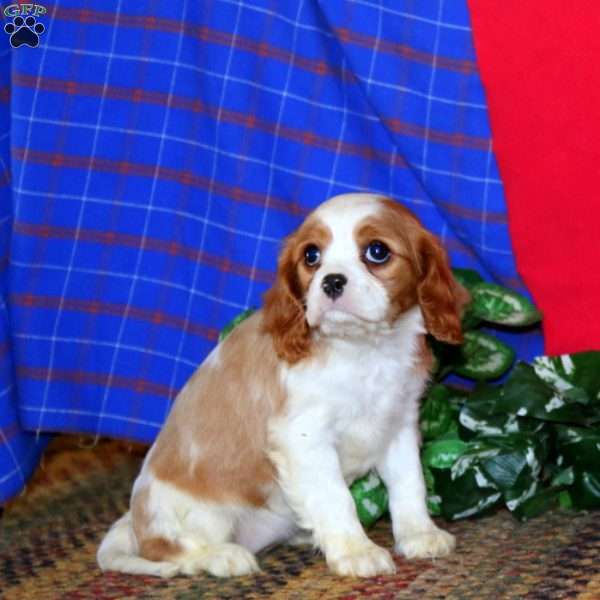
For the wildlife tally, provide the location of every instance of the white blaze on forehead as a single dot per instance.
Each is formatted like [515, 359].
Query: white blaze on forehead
[341, 214]
[347, 200]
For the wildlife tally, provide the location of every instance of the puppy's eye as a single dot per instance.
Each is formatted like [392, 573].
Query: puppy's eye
[312, 255]
[377, 252]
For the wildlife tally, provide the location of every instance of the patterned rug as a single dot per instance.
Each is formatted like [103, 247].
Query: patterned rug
[49, 536]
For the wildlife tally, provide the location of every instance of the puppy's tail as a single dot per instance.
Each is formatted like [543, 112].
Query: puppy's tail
[118, 552]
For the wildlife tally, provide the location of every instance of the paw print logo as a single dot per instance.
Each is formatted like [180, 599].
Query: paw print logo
[24, 31]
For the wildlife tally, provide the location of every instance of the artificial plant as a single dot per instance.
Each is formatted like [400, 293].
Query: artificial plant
[529, 443]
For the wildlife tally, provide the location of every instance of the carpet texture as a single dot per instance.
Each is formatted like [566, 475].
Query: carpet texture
[49, 536]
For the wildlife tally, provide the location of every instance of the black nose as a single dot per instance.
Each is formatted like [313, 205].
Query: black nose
[333, 285]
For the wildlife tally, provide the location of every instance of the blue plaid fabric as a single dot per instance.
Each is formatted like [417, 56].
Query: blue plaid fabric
[19, 451]
[156, 153]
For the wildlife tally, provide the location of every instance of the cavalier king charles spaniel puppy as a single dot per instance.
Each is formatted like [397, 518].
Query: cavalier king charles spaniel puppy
[303, 397]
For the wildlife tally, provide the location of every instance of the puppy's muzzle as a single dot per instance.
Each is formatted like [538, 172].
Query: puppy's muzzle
[333, 285]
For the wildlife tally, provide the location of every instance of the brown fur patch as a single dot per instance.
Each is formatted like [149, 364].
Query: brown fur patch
[284, 308]
[417, 272]
[158, 549]
[398, 274]
[150, 547]
[223, 410]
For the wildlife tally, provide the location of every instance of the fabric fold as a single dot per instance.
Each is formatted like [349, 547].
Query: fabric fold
[544, 92]
[161, 152]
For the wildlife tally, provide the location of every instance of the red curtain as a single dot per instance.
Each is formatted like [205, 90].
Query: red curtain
[540, 64]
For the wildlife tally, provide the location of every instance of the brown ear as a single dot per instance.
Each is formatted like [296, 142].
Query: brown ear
[441, 297]
[284, 316]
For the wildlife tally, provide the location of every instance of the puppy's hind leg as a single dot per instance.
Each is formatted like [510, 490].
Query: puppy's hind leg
[207, 541]
[118, 552]
[263, 528]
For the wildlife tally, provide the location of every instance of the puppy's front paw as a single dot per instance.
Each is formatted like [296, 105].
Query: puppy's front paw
[366, 560]
[429, 543]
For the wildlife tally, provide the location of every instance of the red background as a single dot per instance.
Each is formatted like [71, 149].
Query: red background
[540, 64]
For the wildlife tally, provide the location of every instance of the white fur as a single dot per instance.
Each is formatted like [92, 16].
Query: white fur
[350, 408]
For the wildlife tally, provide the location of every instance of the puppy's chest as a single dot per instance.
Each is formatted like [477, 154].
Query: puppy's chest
[380, 401]
[364, 395]
[363, 387]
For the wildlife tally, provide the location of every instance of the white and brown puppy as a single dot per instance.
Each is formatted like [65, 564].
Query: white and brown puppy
[302, 398]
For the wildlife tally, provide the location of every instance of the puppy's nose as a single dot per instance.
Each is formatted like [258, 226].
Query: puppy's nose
[333, 285]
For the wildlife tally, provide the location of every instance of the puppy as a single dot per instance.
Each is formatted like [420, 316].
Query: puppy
[309, 393]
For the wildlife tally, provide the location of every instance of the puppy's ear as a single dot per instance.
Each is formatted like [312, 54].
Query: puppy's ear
[284, 317]
[441, 297]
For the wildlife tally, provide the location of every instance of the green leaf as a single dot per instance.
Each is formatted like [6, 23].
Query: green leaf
[538, 503]
[467, 277]
[579, 447]
[481, 415]
[484, 357]
[565, 500]
[428, 477]
[474, 421]
[470, 458]
[462, 496]
[525, 394]
[524, 488]
[371, 498]
[575, 375]
[563, 477]
[509, 464]
[437, 414]
[503, 458]
[496, 304]
[232, 324]
[504, 469]
[442, 454]
[585, 491]
[469, 321]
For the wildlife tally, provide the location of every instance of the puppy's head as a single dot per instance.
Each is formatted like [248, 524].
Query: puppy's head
[360, 259]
